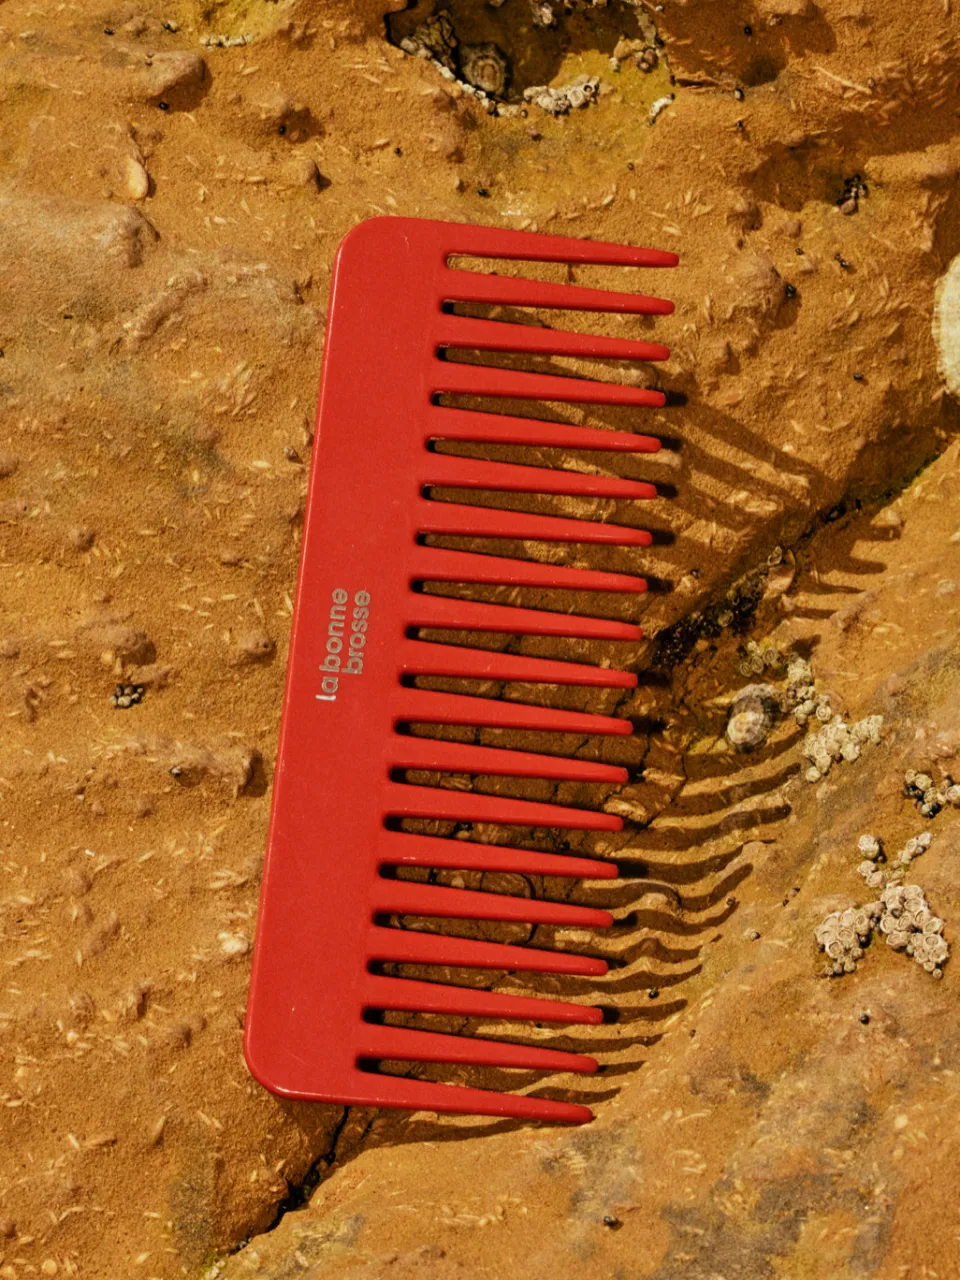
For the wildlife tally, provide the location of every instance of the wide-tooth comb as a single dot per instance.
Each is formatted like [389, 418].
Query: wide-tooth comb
[353, 716]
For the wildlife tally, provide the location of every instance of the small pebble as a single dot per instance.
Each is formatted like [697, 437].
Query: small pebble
[145, 807]
[234, 944]
[302, 171]
[81, 538]
[127, 695]
[8, 465]
[255, 646]
[7, 1229]
[136, 181]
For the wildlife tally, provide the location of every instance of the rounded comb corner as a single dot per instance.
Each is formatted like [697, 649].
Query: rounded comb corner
[266, 1072]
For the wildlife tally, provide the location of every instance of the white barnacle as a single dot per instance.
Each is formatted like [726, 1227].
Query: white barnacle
[869, 846]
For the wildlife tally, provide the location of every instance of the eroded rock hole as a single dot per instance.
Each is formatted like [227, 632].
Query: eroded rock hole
[521, 57]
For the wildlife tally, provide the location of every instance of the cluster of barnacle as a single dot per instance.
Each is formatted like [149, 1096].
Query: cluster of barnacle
[901, 914]
[909, 925]
[643, 55]
[568, 97]
[873, 855]
[843, 935]
[835, 740]
[903, 917]
[802, 696]
[754, 659]
[838, 741]
[930, 797]
[756, 709]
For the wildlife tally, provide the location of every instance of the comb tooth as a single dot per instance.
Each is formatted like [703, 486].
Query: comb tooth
[437, 564]
[462, 757]
[408, 898]
[516, 291]
[405, 995]
[444, 423]
[420, 1095]
[491, 522]
[405, 801]
[497, 242]
[404, 1044]
[420, 658]
[453, 378]
[473, 615]
[410, 946]
[425, 706]
[496, 335]
[475, 473]
[401, 849]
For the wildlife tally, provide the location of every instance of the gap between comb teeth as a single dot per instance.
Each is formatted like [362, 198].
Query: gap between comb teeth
[404, 1044]
[422, 1095]
[473, 333]
[404, 849]
[413, 946]
[427, 658]
[410, 800]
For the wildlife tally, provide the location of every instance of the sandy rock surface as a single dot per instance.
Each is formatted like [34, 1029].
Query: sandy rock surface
[174, 181]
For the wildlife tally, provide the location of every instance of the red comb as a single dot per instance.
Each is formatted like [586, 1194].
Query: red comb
[340, 793]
